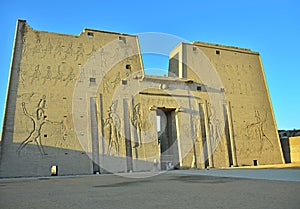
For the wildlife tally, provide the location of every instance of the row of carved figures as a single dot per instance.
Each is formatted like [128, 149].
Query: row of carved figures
[112, 123]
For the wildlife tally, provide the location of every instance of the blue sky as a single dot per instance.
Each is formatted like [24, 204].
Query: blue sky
[271, 27]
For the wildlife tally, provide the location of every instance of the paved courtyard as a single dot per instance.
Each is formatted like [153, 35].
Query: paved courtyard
[176, 189]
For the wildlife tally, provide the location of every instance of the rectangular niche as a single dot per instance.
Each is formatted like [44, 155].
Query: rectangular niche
[124, 82]
[128, 66]
[122, 39]
[92, 81]
[90, 35]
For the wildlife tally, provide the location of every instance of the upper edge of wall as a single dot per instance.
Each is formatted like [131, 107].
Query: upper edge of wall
[223, 47]
[85, 30]
[103, 31]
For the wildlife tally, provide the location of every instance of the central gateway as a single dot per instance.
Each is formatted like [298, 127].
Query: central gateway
[167, 137]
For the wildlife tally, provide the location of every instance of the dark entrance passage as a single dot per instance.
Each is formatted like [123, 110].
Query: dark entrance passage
[167, 137]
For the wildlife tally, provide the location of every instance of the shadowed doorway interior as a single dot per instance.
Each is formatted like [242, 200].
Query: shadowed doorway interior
[167, 138]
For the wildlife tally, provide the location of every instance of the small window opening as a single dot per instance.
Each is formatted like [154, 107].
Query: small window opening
[194, 48]
[218, 52]
[45, 116]
[92, 80]
[128, 67]
[124, 82]
[90, 35]
[122, 39]
[45, 135]
[199, 88]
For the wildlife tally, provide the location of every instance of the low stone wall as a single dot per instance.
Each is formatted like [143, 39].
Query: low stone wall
[295, 149]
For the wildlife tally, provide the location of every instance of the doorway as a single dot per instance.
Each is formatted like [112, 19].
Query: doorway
[167, 138]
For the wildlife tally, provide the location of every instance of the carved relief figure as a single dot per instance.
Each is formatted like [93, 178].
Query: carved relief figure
[39, 119]
[137, 122]
[48, 76]
[22, 74]
[66, 132]
[256, 131]
[69, 50]
[59, 76]
[92, 51]
[196, 129]
[49, 47]
[70, 77]
[42, 102]
[113, 123]
[103, 58]
[80, 51]
[36, 74]
[105, 87]
[214, 126]
[26, 46]
[59, 49]
[38, 46]
[25, 96]
[117, 80]
[81, 76]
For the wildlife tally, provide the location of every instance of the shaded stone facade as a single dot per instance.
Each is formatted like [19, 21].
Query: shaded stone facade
[289, 140]
[83, 103]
